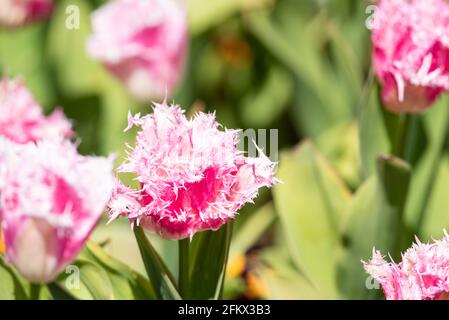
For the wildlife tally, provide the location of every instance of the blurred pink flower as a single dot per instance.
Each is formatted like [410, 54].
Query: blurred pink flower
[411, 52]
[50, 200]
[18, 12]
[191, 174]
[21, 117]
[423, 273]
[143, 43]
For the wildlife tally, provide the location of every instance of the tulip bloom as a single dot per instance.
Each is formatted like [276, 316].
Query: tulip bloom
[21, 117]
[50, 200]
[14, 13]
[411, 52]
[143, 43]
[192, 176]
[423, 273]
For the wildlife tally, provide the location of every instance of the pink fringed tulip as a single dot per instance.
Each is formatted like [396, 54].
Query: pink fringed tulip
[143, 43]
[411, 52]
[50, 200]
[423, 273]
[192, 176]
[18, 12]
[21, 117]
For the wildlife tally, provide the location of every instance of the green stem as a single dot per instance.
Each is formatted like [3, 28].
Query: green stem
[402, 136]
[229, 228]
[35, 290]
[184, 270]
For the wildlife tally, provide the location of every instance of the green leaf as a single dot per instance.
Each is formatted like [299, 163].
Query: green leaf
[209, 256]
[160, 277]
[59, 293]
[77, 74]
[311, 204]
[11, 287]
[340, 146]
[373, 133]
[425, 148]
[259, 109]
[281, 279]
[436, 217]
[126, 283]
[22, 55]
[95, 279]
[251, 231]
[115, 105]
[206, 14]
[376, 216]
[322, 101]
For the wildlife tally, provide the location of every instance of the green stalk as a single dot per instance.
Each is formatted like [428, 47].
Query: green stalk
[225, 263]
[184, 270]
[35, 290]
[402, 136]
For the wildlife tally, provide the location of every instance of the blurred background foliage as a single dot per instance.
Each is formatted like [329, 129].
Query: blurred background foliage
[300, 66]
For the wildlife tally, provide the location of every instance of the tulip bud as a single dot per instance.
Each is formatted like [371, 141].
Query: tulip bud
[411, 52]
[37, 251]
[50, 200]
[143, 43]
[14, 13]
[422, 274]
[22, 119]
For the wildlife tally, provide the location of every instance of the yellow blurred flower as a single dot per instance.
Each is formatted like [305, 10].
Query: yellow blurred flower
[255, 288]
[236, 266]
[2, 243]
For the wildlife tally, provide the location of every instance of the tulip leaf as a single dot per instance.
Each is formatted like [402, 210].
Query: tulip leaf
[280, 279]
[425, 148]
[311, 204]
[126, 283]
[23, 56]
[251, 230]
[340, 146]
[59, 293]
[206, 14]
[260, 108]
[161, 279]
[436, 218]
[95, 279]
[11, 287]
[376, 214]
[209, 256]
[75, 71]
[321, 100]
[373, 133]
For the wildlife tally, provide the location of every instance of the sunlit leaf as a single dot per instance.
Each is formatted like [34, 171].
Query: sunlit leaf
[311, 204]
[376, 215]
[160, 277]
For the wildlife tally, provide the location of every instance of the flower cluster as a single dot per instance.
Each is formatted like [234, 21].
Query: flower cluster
[143, 43]
[411, 52]
[50, 196]
[191, 174]
[423, 273]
